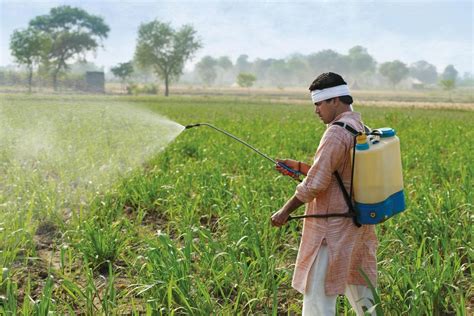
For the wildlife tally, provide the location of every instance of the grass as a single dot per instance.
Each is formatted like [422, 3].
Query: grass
[186, 230]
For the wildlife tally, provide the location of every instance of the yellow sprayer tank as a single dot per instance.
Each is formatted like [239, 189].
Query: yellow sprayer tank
[378, 180]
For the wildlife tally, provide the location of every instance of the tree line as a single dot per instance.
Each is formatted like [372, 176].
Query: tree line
[51, 42]
[296, 70]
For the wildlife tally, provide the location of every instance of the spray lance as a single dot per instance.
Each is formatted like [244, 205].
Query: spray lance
[295, 172]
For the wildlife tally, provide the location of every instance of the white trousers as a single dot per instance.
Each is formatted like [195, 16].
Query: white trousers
[315, 301]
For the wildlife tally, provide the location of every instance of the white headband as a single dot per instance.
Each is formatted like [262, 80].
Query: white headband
[328, 93]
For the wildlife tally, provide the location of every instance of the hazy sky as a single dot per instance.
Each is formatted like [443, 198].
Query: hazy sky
[440, 32]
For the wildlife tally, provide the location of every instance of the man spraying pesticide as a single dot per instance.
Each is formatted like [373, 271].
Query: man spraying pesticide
[333, 249]
[338, 244]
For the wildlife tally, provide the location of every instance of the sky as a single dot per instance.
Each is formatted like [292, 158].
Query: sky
[440, 32]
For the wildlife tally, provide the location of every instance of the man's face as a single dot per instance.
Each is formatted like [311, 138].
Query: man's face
[326, 110]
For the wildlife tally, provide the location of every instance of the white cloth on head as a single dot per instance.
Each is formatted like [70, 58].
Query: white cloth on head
[328, 93]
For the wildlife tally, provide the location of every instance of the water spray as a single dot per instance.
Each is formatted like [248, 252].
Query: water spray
[295, 172]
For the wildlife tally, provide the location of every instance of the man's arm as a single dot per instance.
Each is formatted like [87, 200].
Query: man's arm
[304, 168]
[281, 217]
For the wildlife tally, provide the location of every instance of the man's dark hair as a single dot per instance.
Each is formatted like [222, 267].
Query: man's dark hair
[329, 80]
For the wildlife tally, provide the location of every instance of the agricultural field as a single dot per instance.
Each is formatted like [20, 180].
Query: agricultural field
[108, 206]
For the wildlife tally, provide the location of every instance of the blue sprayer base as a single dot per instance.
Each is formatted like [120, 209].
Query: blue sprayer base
[370, 214]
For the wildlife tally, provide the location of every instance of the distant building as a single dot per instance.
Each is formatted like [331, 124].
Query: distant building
[416, 84]
[95, 81]
[411, 83]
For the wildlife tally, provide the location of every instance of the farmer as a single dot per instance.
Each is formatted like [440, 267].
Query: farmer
[332, 250]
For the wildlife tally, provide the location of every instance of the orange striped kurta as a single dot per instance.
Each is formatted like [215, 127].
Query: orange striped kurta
[350, 247]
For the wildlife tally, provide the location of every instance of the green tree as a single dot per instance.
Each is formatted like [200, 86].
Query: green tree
[261, 67]
[165, 50]
[360, 61]
[467, 80]
[447, 85]
[242, 64]
[449, 73]
[328, 60]
[206, 69]
[123, 71]
[224, 70]
[72, 33]
[224, 62]
[395, 71]
[448, 79]
[27, 47]
[298, 68]
[245, 80]
[279, 72]
[360, 64]
[424, 71]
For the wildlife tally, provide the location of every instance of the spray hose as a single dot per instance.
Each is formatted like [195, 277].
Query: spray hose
[295, 172]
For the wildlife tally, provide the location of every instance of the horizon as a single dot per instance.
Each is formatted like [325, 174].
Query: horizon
[438, 32]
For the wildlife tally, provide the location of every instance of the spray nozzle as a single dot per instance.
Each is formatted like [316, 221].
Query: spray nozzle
[191, 125]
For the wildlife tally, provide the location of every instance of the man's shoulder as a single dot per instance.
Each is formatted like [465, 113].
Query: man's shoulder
[352, 119]
[343, 133]
[335, 132]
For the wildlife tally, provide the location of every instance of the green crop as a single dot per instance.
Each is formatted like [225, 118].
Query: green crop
[186, 229]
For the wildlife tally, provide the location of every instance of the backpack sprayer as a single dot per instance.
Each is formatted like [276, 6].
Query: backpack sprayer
[377, 181]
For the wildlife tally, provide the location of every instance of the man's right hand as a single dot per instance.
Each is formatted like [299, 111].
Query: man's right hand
[280, 218]
[293, 164]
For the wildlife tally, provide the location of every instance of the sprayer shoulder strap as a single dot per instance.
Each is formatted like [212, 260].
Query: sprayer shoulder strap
[345, 194]
[347, 197]
[350, 129]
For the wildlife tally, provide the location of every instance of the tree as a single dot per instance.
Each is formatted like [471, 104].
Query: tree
[123, 71]
[245, 79]
[206, 69]
[224, 70]
[27, 48]
[298, 68]
[72, 33]
[328, 60]
[261, 67]
[424, 71]
[450, 73]
[447, 84]
[360, 61]
[395, 71]
[165, 50]
[242, 64]
[467, 80]
[224, 62]
[279, 72]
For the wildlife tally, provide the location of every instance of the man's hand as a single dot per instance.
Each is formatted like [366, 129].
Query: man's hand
[293, 164]
[280, 218]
